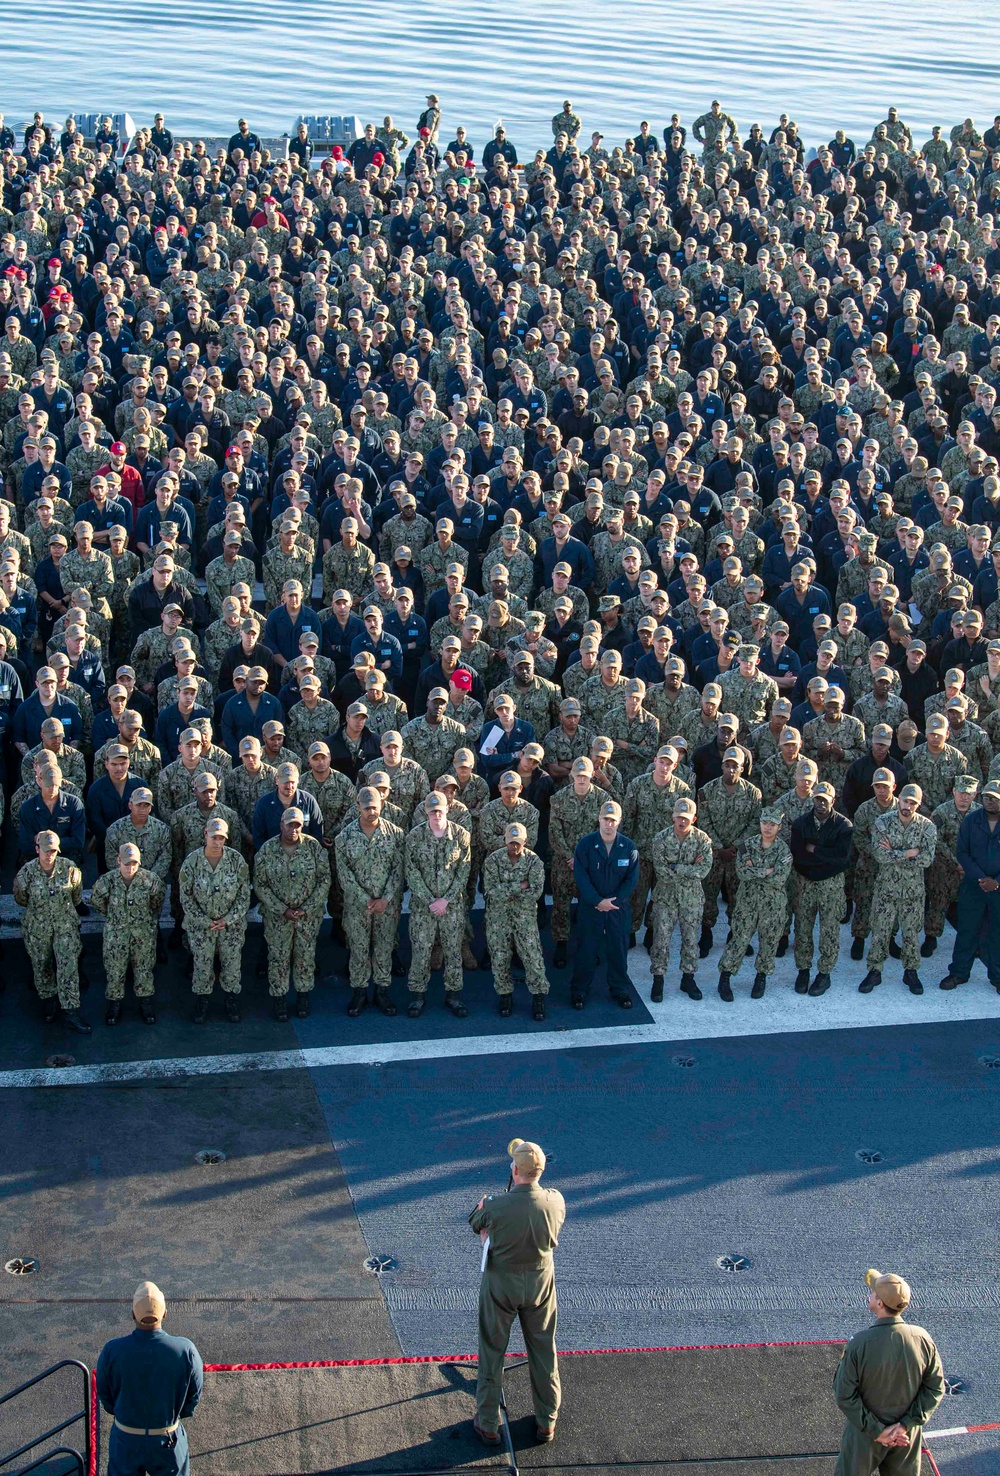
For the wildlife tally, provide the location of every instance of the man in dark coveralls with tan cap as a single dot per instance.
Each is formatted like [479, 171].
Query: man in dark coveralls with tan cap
[520, 1230]
[888, 1384]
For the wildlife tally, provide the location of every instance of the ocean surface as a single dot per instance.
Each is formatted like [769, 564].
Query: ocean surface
[205, 62]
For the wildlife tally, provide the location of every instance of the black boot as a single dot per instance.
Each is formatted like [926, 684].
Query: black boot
[453, 1001]
[819, 985]
[73, 1020]
[416, 1005]
[689, 987]
[871, 981]
[280, 1007]
[857, 949]
[232, 1009]
[200, 1012]
[302, 1004]
[50, 1009]
[725, 987]
[950, 982]
[560, 957]
[928, 947]
[383, 1003]
[656, 993]
[506, 1005]
[538, 1006]
[802, 981]
[147, 1012]
[759, 985]
[912, 981]
[114, 1012]
[705, 943]
[358, 1003]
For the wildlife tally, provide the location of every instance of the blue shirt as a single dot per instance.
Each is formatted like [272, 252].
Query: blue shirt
[68, 820]
[27, 724]
[240, 721]
[105, 805]
[386, 648]
[509, 747]
[977, 848]
[169, 727]
[600, 873]
[149, 1379]
[283, 637]
[269, 809]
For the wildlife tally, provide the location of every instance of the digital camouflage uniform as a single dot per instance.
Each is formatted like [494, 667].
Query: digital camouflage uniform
[670, 708]
[210, 894]
[187, 828]
[537, 704]
[433, 746]
[775, 777]
[935, 773]
[132, 917]
[942, 879]
[759, 903]
[597, 699]
[70, 760]
[50, 927]
[647, 809]
[143, 760]
[297, 877]
[641, 733]
[682, 868]
[369, 869]
[437, 866]
[560, 748]
[728, 820]
[304, 727]
[408, 782]
[971, 740]
[153, 840]
[512, 890]
[241, 790]
[389, 715]
[848, 733]
[175, 786]
[864, 872]
[749, 700]
[571, 817]
[898, 894]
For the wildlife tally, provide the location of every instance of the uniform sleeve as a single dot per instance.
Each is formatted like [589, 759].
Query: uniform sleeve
[629, 879]
[414, 876]
[458, 872]
[99, 892]
[929, 1395]
[581, 874]
[847, 1392]
[267, 897]
[241, 903]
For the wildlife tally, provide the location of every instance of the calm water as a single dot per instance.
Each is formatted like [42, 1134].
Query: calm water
[204, 62]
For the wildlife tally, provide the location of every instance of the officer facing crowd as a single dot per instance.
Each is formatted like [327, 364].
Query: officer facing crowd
[149, 1382]
[520, 1231]
[888, 1383]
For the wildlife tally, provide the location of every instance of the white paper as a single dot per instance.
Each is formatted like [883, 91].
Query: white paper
[915, 614]
[485, 1255]
[492, 738]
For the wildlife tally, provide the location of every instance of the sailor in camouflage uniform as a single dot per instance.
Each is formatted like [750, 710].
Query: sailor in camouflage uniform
[369, 853]
[682, 857]
[130, 899]
[763, 865]
[903, 844]
[437, 860]
[291, 877]
[215, 895]
[943, 877]
[50, 889]
[729, 811]
[513, 883]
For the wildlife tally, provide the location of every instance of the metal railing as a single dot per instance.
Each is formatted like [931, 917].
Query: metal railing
[89, 1415]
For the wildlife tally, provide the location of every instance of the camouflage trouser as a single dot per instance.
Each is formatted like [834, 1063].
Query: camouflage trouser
[204, 945]
[371, 937]
[425, 931]
[894, 901]
[863, 887]
[942, 882]
[563, 892]
[673, 907]
[641, 893]
[55, 957]
[825, 899]
[139, 950]
[291, 953]
[508, 928]
[758, 910]
[722, 877]
[478, 857]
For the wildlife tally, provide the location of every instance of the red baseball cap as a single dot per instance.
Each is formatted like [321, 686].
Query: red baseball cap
[378, 158]
[461, 679]
[119, 448]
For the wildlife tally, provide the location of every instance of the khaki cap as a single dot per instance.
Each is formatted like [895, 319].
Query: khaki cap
[892, 1291]
[823, 789]
[357, 709]
[149, 1305]
[516, 832]
[529, 1157]
[937, 723]
[912, 792]
[684, 806]
[884, 776]
[582, 765]
[217, 826]
[128, 852]
[882, 733]
[510, 779]
[611, 809]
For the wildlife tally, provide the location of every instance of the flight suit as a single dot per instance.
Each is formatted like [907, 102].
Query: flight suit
[889, 1372]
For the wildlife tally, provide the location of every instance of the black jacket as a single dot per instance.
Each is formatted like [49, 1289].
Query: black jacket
[832, 840]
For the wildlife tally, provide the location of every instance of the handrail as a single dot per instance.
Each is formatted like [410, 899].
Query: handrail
[60, 1450]
[86, 1414]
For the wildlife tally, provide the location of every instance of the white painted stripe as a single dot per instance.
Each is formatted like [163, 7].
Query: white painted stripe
[677, 1020]
[939, 1434]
